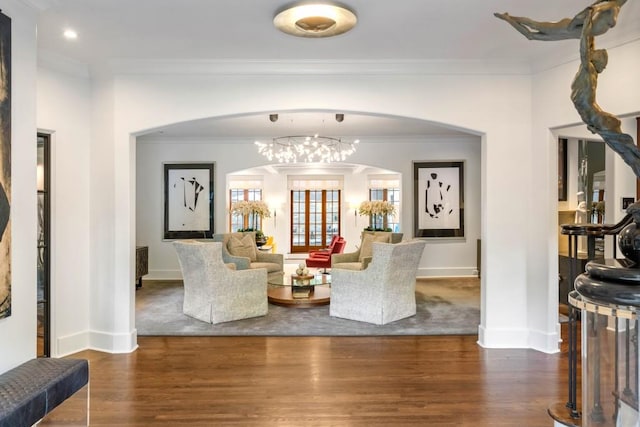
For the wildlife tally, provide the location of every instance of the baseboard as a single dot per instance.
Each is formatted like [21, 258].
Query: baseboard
[544, 341]
[71, 344]
[502, 338]
[93, 340]
[447, 272]
[163, 275]
[114, 343]
[422, 272]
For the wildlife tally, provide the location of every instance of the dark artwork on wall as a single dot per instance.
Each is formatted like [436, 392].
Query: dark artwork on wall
[5, 166]
[438, 199]
[188, 200]
[562, 169]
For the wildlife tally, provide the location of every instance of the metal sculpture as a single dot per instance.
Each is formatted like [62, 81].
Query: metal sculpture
[592, 21]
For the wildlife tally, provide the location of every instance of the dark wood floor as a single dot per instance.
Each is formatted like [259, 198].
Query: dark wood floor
[324, 381]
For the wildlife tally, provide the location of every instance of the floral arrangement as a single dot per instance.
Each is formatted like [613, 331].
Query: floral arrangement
[254, 209]
[376, 210]
[376, 207]
[251, 207]
[598, 207]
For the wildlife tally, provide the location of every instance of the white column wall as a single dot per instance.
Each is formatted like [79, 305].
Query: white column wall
[111, 310]
[63, 95]
[18, 331]
[498, 106]
[620, 179]
[618, 93]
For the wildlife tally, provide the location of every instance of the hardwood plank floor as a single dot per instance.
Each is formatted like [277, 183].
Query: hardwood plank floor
[324, 381]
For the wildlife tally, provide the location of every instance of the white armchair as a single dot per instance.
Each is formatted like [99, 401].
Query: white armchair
[215, 293]
[385, 291]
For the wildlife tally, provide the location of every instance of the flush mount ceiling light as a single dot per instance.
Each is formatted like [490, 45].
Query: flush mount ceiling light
[70, 34]
[315, 20]
[309, 149]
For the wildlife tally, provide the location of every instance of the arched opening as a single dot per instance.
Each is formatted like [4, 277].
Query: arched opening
[389, 145]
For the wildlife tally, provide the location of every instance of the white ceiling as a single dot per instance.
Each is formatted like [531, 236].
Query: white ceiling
[242, 30]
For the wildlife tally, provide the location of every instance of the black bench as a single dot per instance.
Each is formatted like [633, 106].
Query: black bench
[30, 391]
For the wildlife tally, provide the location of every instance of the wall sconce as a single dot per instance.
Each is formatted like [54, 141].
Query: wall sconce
[355, 205]
[274, 210]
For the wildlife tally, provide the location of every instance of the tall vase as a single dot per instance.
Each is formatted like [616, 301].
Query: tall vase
[372, 222]
[252, 221]
[379, 222]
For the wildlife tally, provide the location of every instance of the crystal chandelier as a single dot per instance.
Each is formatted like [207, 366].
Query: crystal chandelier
[309, 149]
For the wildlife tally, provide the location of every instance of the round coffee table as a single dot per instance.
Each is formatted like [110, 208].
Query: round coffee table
[282, 295]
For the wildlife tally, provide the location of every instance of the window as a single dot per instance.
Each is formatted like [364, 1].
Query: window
[315, 218]
[237, 194]
[244, 188]
[387, 188]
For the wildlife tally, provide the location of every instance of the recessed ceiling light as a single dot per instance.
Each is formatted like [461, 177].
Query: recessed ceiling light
[315, 20]
[70, 34]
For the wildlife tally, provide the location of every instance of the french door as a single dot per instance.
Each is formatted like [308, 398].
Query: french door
[315, 218]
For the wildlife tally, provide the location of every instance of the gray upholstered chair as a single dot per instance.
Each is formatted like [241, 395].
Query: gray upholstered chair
[385, 291]
[360, 259]
[215, 293]
[246, 255]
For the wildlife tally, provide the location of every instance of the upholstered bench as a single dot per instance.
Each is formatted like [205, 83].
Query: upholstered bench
[30, 391]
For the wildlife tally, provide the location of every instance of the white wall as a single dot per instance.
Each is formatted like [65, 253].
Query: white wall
[441, 257]
[18, 332]
[618, 93]
[64, 107]
[620, 179]
[497, 106]
[513, 114]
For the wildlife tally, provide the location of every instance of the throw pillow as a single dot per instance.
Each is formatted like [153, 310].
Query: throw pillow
[244, 247]
[366, 250]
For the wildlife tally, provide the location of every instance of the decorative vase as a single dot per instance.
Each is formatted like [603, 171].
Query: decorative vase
[261, 240]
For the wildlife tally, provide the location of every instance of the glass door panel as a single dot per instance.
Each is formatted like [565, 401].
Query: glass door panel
[315, 218]
[43, 282]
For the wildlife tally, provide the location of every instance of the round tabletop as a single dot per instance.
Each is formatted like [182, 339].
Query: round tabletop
[282, 295]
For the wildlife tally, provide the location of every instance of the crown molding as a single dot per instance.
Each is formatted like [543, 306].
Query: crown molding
[53, 61]
[316, 67]
[40, 5]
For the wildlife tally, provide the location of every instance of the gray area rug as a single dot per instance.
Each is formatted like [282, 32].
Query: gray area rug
[444, 307]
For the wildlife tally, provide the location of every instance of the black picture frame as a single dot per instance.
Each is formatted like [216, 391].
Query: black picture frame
[562, 169]
[438, 199]
[188, 200]
[626, 202]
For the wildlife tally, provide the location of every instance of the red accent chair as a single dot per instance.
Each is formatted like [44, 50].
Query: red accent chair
[328, 249]
[322, 258]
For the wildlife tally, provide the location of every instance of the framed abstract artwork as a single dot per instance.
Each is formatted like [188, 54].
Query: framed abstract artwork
[5, 166]
[438, 199]
[188, 200]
